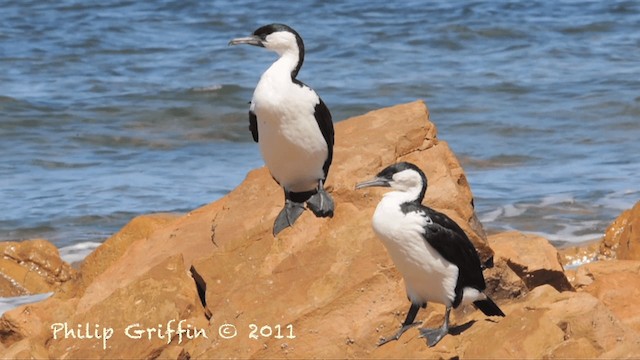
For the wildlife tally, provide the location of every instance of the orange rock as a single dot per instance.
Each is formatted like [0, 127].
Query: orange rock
[580, 254]
[31, 267]
[622, 238]
[189, 236]
[581, 348]
[532, 258]
[614, 283]
[145, 307]
[25, 349]
[548, 324]
[31, 322]
[140, 228]
[502, 281]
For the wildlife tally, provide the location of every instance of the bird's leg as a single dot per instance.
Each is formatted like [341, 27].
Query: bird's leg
[288, 215]
[433, 336]
[321, 202]
[406, 325]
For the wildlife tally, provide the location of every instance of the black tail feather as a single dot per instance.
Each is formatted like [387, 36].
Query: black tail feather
[488, 307]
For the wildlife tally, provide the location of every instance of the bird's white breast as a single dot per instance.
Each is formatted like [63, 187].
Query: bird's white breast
[427, 276]
[290, 139]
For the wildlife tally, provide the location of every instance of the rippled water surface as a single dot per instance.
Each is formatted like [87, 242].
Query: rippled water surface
[109, 109]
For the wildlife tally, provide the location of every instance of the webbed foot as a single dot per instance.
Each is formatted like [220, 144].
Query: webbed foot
[321, 204]
[287, 216]
[398, 334]
[434, 336]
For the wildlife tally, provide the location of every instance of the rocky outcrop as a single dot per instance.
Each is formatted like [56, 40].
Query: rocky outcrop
[531, 258]
[582, 253]
[621, 241]
[31, 267]
[120, 321]
[322, 289]
[139, 229]
[622, 238]
[614, 283]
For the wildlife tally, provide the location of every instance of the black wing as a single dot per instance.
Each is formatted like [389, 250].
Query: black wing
[253, 125]
[323, 117]
[448, 239]
[325, 123]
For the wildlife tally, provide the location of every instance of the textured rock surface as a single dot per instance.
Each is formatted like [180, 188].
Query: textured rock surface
[615, 283]
[31, 267]
[532, 258]
[328, 282]
[582, 253]
[622, 238]
[165, 292]
[139, 229]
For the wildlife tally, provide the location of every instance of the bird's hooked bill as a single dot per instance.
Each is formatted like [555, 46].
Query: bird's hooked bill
[251, 40]
[373, 182]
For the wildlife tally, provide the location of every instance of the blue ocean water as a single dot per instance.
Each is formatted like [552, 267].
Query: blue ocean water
[114, 108]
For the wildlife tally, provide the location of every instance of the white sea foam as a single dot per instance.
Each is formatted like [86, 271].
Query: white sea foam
[511, 210]
[491, 216]
[506, 211]
[210, 88]
[558, 218]
[565, 236]
[77, 252]
[579, 261]
[556, 199]
[618, 199]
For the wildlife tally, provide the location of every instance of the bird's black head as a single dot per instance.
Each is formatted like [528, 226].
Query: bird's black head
[267, 30]
[279, 38]
[402, 176]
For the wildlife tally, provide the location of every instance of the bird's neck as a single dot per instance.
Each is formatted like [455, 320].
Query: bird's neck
[287, 65]
[401, 197]
[392, 224]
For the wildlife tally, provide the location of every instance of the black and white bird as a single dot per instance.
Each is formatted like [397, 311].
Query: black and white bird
[436, 259]
[292, 125]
